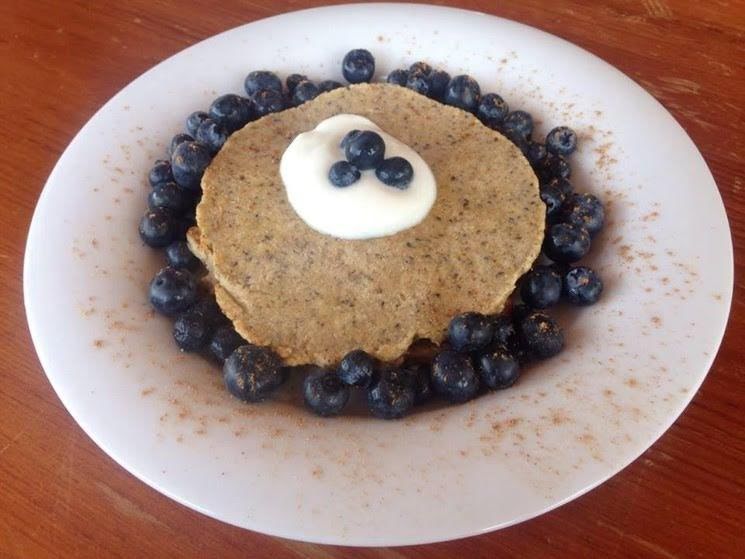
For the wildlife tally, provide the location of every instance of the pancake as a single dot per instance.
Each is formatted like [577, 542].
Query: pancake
[313, 297]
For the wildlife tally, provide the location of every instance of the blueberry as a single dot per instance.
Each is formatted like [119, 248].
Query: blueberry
[184, 223]
[562, 184]
[536, 153]
[324, 393]
[553, 197]
[418, 375]
[343, 173]
[540, 335]
[169, 196]
[328, 85]
[191, 330]
[463, 92]
[559, 167]
[453, 376]
[562, 140]
[358, 66]
[365, 150]
[519, 122]
[178, 255]
[225, 341]
[177, 140]
[232, 111]
[356, 368]
[262, 80]
[304, 91]
[157, 228]
[268, 101]
[292, 81]
[518, 139]
[160, 173]
[470, 331]
[348, 137]
[391, 396]
[584, 210]
[492, 110]
[438, 83]
[212, 134]
[398, 77]
[505, 335]
[566, 243]
[396, 172]
[582, 286]
[420, 67]
[172, 291]
[188, 162]
[194, 120]
[418, 82]
[252, 373]
[207, 306]
[540, 288]
[498, 368]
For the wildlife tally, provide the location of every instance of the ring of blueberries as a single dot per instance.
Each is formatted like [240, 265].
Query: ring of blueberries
[480, 353]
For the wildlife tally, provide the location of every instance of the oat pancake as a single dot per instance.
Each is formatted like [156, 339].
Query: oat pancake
[313, 297]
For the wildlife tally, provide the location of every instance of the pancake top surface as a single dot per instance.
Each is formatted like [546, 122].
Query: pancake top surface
[313, 297]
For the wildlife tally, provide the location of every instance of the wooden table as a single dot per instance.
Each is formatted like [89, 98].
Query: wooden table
[61, 496]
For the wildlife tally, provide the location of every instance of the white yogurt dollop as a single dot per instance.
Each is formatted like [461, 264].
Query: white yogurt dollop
[367, 208]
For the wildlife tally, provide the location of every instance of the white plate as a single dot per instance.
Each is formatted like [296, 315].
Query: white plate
[632, 363]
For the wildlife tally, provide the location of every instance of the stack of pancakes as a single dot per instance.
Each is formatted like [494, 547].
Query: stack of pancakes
[313, 297]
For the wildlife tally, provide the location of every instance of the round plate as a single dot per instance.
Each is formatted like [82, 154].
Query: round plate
[631, 365]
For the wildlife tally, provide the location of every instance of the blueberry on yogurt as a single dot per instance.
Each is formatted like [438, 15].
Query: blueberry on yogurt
[343, 173]
[365, 150]
[396, 172]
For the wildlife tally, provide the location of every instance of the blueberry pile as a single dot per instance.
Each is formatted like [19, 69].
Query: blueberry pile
[365, 150]
[480, 353]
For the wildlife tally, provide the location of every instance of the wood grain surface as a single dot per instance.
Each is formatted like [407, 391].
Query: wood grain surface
[60, 496]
